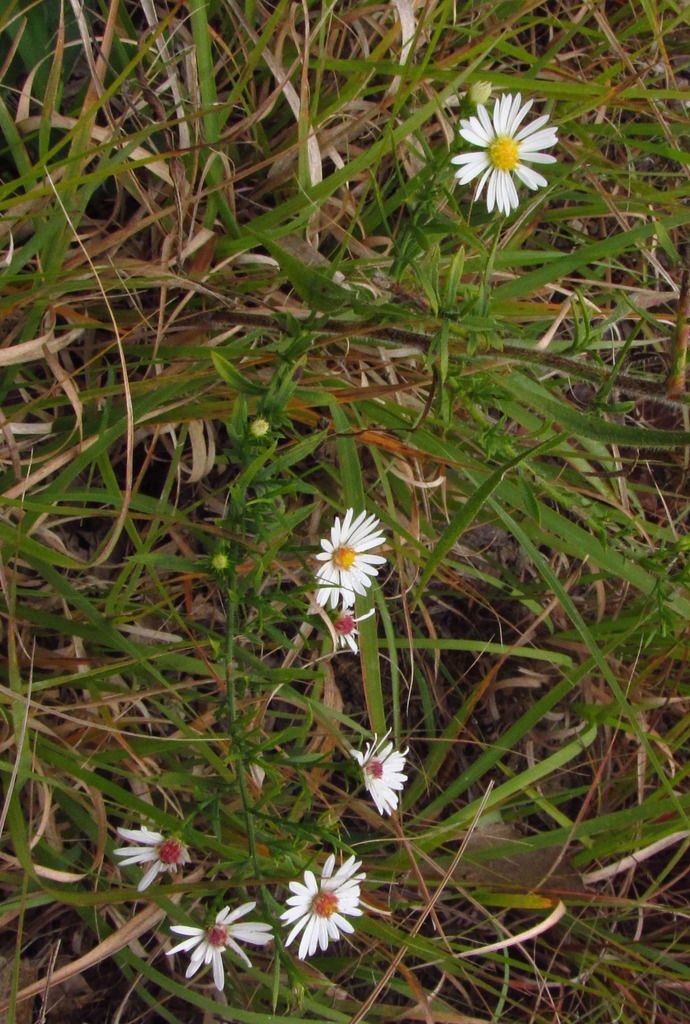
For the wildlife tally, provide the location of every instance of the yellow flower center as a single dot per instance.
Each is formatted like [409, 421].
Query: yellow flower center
[343, 558]
[325, 904]
[504, 153]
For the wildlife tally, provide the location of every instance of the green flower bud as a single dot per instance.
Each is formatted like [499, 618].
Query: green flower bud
[220, 562]
[259, 427]
[480, 93]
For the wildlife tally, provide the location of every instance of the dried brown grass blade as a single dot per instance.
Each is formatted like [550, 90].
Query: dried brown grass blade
[140, 923]
[513, 940]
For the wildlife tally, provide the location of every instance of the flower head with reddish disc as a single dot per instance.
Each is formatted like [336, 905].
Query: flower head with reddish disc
[159, 853]
[348, 567]
[320, 909]
[382, 768]
[345, 626]
[207, 945]
[506, 149]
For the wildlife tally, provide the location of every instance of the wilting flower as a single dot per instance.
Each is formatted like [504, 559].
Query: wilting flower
[382, 767]
[347, 568]
[504, 151]
[345, 626]
[207, 944]
[160, 853]
[319, 908]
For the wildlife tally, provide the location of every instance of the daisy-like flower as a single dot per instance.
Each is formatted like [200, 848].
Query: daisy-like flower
[382, 767]
[207, 944]
[159, 853]
[347, 568]
[346, 628]
[321, 910]
[505, 150]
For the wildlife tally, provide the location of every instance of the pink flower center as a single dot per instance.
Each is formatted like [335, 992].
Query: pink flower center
[343, 558]
[325, 904]
[374, 768]
[170, 851]
[217, 935]
[344, 625]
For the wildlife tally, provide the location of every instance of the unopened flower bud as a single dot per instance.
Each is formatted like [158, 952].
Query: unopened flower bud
[480, 93]
[259, 427]
[220, 561]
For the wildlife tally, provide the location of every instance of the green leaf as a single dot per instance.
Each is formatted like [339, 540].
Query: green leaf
[466, 515]
[314, 284]
[592, 426]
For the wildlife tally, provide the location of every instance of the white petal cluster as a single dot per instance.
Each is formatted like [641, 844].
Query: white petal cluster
[320, 909]
[159, 853]
[382, 768]
[505, 149]
[207, 945]
[347, 567]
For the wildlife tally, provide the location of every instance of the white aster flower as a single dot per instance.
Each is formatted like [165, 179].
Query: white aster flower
[382, 767]
[347, 568]
[207, 944]
[346, 628]
[160, 853]
[504, 151]
[319, 908]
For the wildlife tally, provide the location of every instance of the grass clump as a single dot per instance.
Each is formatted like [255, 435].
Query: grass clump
[242, 293]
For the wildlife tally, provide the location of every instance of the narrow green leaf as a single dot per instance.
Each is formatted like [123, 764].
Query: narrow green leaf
[467, 513]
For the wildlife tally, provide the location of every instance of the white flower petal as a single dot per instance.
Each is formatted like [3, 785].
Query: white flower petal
[322, 932]
[532, 127]
[480, 185]
[509, 192]
[472, 171]
[491, 192]
[542, 140]
[141, 835]
[538, 158]
[518, 115]
[530, 178]
[186, 929]
[351, 643]
[474, 157]
[474, 137]
[297, 928]
[307, 943]
[183, 947]
[218, 972]
[192, 967]
[256, 933]
[239, 952]
[225, 917]
[149, 876]
[342, 923]
[479, 126]
[486, 123]
[136, 855]
[293, 914]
